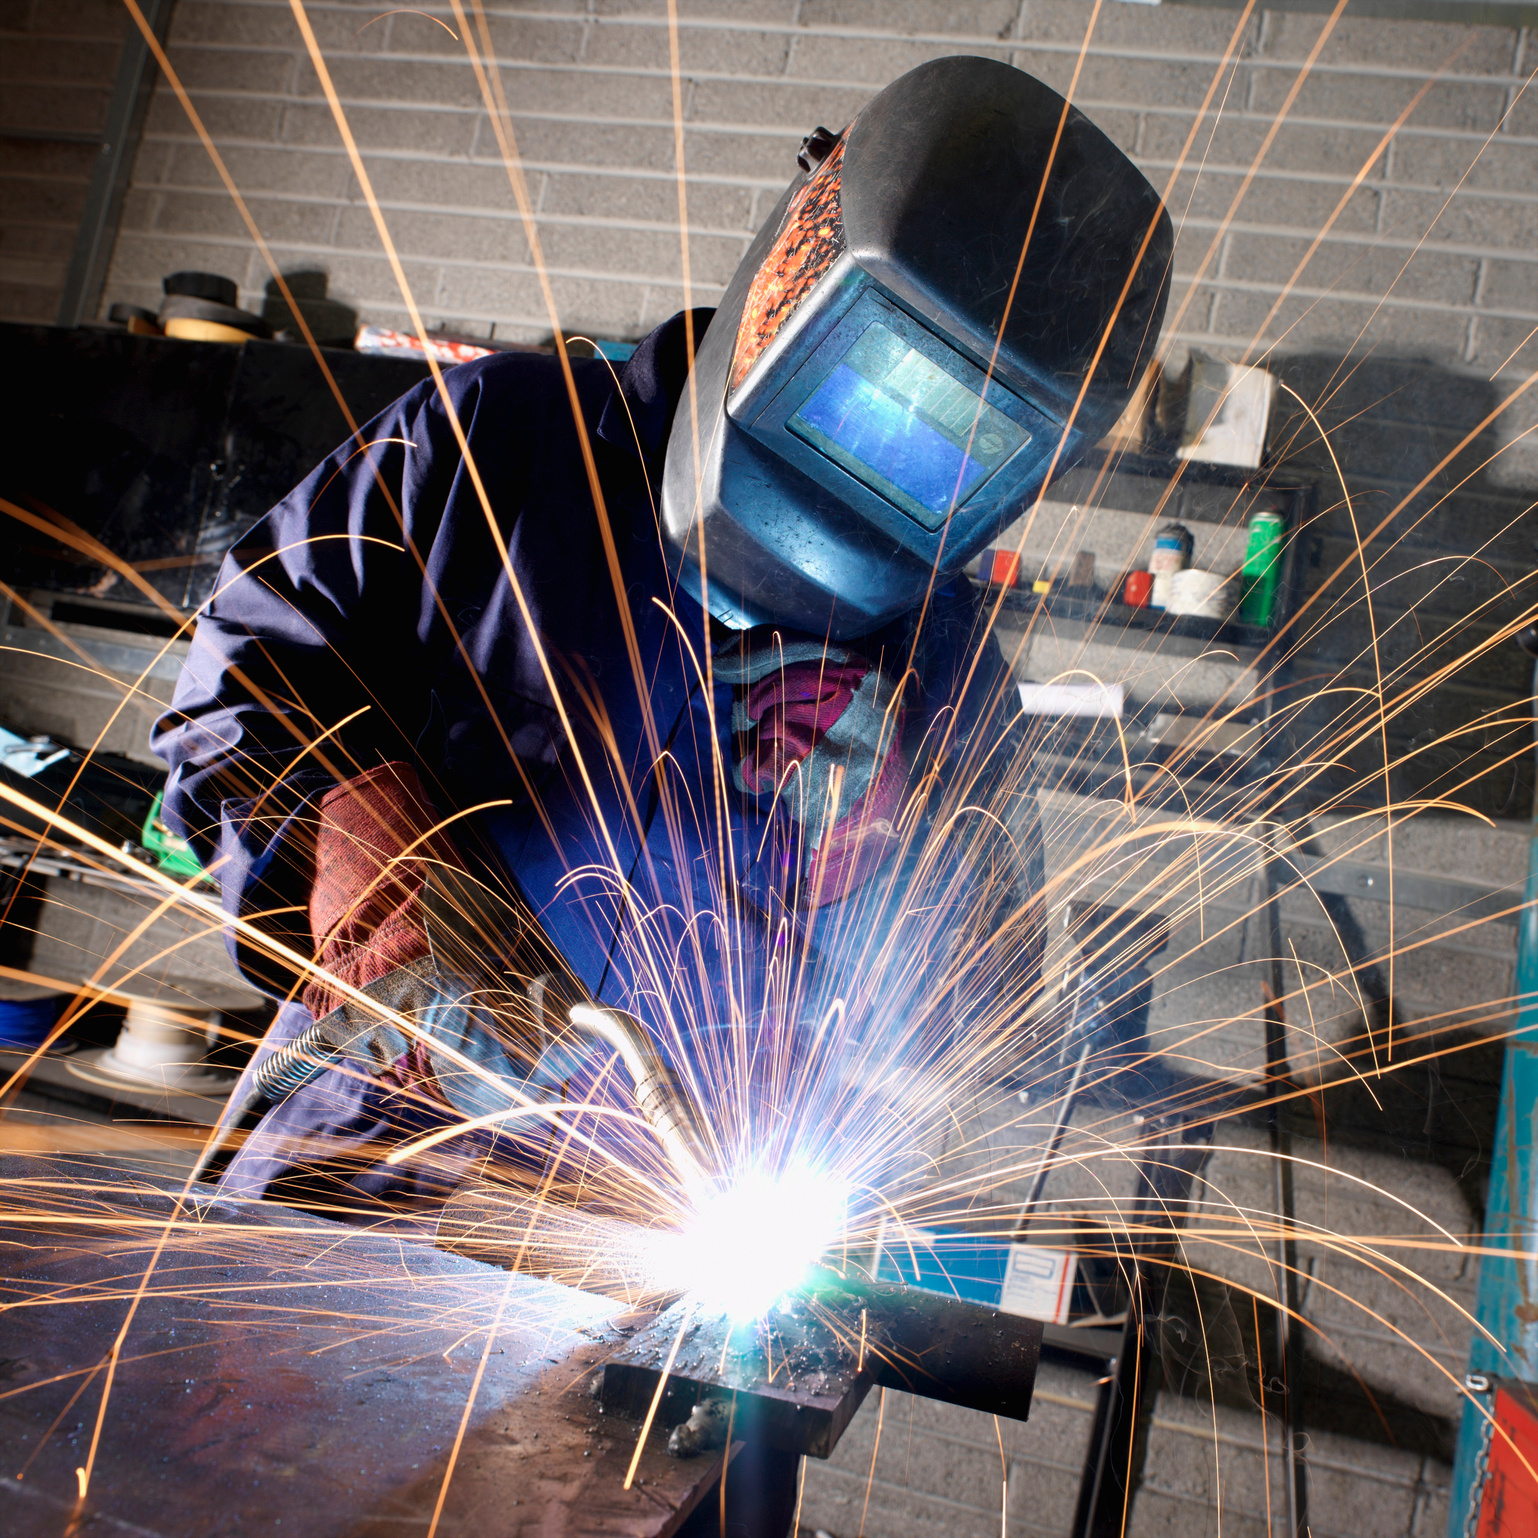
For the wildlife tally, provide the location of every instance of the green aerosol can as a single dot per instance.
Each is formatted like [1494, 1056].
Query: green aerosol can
[1263, 568]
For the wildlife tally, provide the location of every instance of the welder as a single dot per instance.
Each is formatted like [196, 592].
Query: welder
[671, 662]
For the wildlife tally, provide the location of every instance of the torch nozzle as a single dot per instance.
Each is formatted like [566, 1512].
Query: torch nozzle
[663, 1102]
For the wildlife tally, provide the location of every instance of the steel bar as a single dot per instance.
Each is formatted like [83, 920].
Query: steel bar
[798, 1378]
[1289, 1328]
[1124, 1406]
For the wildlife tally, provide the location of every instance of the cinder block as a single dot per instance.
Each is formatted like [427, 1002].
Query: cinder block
[978, 19]
[497, 237]
[422, 131]
[644, 254]
[226, 117]
[838, 1498]
[1190, 1458]
[1349, 324]
[1465, 220]
[1360, 1501]
[766, 158]
[1351, 267]
[426, 183]
[147, 258]
[1169, 82]
[1433, 160]
[140, 207]
[79, 62]
[550, 141]
[1470, 105]
[1185, 32]
[792, 107]
[44, 202]
[365, 280]
[1403, 45]
[48, 159]
[588, 306]
[514, 39]
[1521, 120]
[1157, 1515]
[72, 109]
[214, 214]
[1233, 141]
[1501, 343]
[255, 170]
[233, 69]
[203, 22]
[153, 161]
[1119, 125]
[667, 299]
[382, 81]
[1393, 391]
[50, 244]
[652, 199]
[1388, 1360]
[766, 13]
[917, 1465]
[213, 22]
[68, 18]
[1199, 197]
[1042, 1497]
[1191, 309]
[1053, 67]
[624, 44]
[870, 61]
[584, 94]
[1511, 285]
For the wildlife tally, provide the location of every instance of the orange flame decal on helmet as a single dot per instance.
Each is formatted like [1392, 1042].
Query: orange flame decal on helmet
[809, 244]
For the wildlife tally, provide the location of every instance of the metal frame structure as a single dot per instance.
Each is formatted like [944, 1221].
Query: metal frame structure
[1129, 1359]
[130, 99]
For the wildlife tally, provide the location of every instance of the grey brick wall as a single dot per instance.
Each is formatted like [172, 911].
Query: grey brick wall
[1436, 254]
[58, 60]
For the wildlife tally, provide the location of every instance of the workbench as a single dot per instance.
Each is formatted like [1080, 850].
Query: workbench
[287, 1374]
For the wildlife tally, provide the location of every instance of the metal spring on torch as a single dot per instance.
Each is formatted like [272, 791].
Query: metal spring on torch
[301, 1062]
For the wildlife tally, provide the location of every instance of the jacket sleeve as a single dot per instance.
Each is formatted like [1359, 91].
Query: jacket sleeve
[300, 668]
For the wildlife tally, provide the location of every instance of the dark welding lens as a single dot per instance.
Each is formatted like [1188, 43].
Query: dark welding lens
[905, 427]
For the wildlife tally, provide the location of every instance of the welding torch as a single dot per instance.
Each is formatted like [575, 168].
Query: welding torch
[437, 1002]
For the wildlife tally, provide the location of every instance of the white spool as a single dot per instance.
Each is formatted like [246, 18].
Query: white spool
[159, 1047]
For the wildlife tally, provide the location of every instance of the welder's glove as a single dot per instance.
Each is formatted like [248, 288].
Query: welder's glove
[373, 847]
[396, 915]
[822, 727]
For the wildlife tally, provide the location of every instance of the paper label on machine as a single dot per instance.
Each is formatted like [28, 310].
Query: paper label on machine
[1038, 1283]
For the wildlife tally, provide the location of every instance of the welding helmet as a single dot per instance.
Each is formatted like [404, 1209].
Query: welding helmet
[954, 298]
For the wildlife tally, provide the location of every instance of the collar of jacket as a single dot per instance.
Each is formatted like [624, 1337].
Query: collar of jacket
[636, 422]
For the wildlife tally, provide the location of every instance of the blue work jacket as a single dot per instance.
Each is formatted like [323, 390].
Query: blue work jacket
[524, 643]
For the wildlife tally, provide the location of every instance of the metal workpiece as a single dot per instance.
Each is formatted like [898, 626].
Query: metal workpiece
[795, 1378]
[299, 1375]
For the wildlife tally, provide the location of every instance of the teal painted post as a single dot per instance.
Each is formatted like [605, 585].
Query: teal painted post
[1507, 1302]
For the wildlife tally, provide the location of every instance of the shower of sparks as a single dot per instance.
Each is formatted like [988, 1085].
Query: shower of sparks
[745, 1246]
[921, 1097]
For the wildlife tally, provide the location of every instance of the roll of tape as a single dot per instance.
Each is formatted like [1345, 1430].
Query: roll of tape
[189, 330]
[1207, 594]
